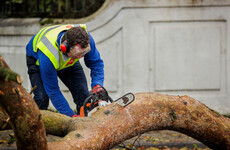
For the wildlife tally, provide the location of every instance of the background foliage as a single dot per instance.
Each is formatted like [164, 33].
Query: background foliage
[48, 8]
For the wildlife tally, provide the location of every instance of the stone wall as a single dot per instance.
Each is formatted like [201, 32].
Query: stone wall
[173, 47]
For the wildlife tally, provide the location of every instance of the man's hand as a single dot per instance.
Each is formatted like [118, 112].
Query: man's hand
[97, 89]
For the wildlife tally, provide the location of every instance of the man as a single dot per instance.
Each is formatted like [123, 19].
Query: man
[55, 52]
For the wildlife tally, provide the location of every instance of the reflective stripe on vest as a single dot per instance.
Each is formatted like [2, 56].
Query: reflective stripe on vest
[50, 46]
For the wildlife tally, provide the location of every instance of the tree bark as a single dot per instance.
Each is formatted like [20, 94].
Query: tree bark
[113, 124]
[22, 112]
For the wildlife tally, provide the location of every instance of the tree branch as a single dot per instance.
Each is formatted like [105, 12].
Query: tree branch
[150, 111]
[25, 117]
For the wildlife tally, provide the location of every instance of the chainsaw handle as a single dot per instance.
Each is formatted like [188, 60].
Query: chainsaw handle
[95, 97]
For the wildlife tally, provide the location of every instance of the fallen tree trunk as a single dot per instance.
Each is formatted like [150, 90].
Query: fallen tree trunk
[113, 124]
[151, 111]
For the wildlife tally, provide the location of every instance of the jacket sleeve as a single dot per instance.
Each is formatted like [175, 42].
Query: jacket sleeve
[95, 63]
[50, 82]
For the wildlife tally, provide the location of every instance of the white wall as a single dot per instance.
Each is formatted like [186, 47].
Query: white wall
[173, 47]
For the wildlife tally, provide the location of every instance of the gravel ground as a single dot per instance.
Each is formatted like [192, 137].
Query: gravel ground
[167, 140]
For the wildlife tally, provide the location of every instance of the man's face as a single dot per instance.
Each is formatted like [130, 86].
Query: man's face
[76, 52]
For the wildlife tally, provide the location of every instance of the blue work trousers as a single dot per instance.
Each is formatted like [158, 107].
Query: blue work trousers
[73, 77]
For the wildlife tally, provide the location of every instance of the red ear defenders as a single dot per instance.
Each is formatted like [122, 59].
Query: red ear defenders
[64, 47]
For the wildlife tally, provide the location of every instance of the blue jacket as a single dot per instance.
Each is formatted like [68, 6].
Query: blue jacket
[49, 74]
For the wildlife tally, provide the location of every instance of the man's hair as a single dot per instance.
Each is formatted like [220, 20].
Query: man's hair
[76, 35]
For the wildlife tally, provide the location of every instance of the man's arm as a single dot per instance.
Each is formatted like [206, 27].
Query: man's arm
[50, 82]
[95, 63]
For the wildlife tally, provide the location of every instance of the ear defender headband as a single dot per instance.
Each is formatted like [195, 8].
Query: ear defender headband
[65, 48]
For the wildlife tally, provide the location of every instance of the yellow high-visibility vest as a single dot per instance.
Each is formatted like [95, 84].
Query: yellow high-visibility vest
[46, 41]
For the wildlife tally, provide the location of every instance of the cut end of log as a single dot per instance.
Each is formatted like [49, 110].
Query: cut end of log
[19, 79]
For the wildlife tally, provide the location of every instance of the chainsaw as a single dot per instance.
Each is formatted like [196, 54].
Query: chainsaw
[102, 98]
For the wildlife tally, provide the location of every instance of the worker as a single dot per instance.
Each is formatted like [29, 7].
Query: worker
[55, 52]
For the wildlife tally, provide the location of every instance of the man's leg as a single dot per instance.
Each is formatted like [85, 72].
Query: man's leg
[40, 96]
[74, 78]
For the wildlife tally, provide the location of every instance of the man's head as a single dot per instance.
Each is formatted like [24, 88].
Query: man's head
[78, 41]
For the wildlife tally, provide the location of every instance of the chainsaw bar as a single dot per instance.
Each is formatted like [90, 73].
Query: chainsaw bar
[123, 101]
